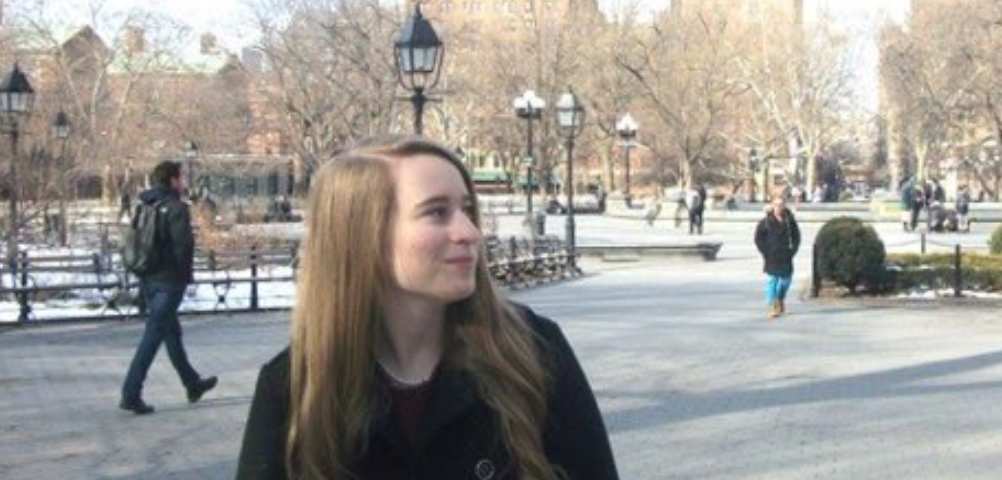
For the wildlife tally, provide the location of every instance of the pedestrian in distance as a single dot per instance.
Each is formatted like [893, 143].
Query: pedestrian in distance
[778, 240]
[681, 211]
[406, 361]
[125, 204]
[695, 200]
[963, 207]
[163, 289]
[652, 210]
[918, 203]
[906, 193]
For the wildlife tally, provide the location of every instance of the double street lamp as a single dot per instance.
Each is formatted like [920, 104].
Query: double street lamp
[570, 120]
[418, 54]
[530, 107]
[16, 100]
[627, 130]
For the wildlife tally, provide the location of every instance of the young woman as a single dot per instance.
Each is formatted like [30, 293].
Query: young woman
[778, 240]
[405, 360]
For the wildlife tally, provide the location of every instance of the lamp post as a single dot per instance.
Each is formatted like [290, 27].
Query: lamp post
[627, 129]
[61, 132]
[418, 54]
[753, 172]
[570, 120]
[190, 156]
[530, 107]
[16, 99]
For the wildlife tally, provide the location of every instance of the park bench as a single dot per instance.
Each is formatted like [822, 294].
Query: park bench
[518, 262]
[36, 278]
[223, 270]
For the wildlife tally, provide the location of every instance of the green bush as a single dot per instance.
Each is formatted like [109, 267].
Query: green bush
[851, 254]
[995, 244]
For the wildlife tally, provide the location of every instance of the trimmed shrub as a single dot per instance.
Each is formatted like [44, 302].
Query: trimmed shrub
[995, 244]
[851, 254]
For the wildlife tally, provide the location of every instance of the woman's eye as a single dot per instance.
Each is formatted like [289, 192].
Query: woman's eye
[439, 212]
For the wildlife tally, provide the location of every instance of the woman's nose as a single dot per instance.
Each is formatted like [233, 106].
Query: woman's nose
[464, 230]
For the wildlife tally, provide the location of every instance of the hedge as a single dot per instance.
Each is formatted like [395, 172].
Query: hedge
[978, 272]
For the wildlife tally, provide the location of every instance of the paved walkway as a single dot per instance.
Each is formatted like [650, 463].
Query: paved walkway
[692, 381]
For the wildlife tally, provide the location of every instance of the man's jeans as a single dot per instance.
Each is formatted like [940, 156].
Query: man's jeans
[162, 326]
[776, 288]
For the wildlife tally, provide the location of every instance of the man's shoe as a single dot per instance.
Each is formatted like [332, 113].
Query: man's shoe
[773, 310]
[201, 386]
[781, 307]
[137, 406]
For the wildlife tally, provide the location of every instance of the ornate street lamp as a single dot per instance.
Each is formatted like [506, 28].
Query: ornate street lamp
[191, 156]
[418, 54]
[627, 129]
[61, 128]
[570, 120]
[753, 164]
[530, 107]
[16, 100]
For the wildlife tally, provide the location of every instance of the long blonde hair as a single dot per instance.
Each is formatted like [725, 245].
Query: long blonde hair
[335, 324]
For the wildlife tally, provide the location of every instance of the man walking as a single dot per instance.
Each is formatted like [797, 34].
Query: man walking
[963, 208]
[163, 289]
[778, 239]
[696, 203]
[917, 205]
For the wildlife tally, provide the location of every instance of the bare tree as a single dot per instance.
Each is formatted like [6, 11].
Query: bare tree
[927, 82]
[330, 72]
[799, 93]
[682, 71]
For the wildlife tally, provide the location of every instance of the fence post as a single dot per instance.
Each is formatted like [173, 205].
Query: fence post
[253, 265]
[815, 275]
[958, 277]
[21, 264]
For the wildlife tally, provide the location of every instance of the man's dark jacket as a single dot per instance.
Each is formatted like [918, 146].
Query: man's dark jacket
[458, 437]
[778, 241]
[175, 239]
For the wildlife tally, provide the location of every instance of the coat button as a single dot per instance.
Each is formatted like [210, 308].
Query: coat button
[484, 469]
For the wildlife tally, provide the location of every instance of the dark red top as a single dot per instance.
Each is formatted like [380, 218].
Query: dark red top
[408, 406]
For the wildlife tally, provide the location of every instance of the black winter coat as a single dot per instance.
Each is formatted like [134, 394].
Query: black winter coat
[458, 437]
[175, 239]
[778, 241]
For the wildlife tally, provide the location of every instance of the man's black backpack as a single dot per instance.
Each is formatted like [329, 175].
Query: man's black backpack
[140, 252]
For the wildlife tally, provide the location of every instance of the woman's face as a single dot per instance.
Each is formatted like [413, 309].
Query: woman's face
[434, 243]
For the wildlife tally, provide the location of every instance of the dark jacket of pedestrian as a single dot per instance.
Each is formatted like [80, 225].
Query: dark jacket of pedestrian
[174, 237]
[458, 437]
[778, 240]
[963, 203]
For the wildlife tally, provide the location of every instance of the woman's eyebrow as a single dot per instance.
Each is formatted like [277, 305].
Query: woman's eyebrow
[467, 199]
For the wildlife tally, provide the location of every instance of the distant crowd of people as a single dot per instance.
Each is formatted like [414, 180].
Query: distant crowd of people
[930, 198]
